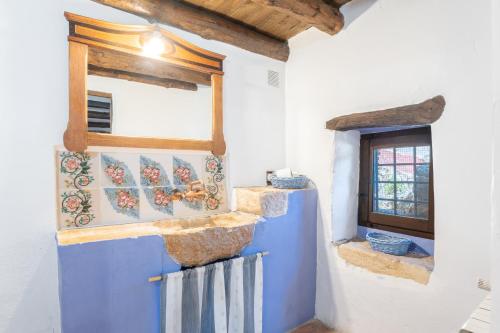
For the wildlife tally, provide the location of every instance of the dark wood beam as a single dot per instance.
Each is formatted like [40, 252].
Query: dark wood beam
[317, 13]
[338, 3]
[147, 79]
[119, 61]
[205, 23]
[424, 113]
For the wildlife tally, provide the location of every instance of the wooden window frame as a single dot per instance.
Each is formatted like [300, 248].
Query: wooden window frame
[366, 216]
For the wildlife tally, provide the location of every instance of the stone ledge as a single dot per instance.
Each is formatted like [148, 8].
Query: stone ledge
[265, 201]
[359, 253]
[155, 228]
[190, 242]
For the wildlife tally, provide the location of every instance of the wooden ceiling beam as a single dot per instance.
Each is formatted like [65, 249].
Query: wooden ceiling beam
[147, 79]
[424, 113]
[317, 13]
[338, 3]
[205, 23]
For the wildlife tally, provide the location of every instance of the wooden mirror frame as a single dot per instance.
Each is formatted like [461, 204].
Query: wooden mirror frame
[115, 50]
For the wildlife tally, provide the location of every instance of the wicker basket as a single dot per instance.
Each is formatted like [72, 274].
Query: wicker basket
[397, 246]
[295, 182]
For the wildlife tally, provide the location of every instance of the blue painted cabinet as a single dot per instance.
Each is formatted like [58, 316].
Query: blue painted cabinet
[104, 285]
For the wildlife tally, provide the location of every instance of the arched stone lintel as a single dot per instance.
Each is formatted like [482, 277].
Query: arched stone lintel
[424, 113]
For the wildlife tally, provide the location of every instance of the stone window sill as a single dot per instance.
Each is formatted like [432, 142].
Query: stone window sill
[412, 266]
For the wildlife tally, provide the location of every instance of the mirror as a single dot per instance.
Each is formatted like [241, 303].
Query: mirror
[130, 108]
[143, 87]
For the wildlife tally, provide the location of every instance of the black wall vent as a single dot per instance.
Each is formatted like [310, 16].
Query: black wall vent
[100, 112]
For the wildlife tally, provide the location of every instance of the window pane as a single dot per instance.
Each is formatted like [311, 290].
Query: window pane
[423, 154]
[422, 174]
[404, 191]
[400, 177]
[404, 155]
[384, 206]
[385, 191]
[422, 192]
[385, 173]
[422, 211]
[405, 208]
[404, 173]
[385, 155]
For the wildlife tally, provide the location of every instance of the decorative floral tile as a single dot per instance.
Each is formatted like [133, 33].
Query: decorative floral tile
[116, 172]
[216, 202]
[78, 208]
[160, 199]
[153, 173]
[77, 170]
[124, 201]
[214, 183]
[186, 169]
[182, 209]
[104, 188]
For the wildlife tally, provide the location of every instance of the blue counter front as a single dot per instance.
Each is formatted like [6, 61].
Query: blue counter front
[104, 285]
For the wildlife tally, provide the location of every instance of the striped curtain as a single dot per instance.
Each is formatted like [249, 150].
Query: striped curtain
[225, 297]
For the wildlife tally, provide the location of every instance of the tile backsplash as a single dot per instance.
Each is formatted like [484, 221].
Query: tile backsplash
[97, 188]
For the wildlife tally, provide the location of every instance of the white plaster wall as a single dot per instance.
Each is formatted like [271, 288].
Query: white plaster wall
[32, 118]
[394, 53]
[345, 185]
[146, 110]
[495, 249]
[33, 115]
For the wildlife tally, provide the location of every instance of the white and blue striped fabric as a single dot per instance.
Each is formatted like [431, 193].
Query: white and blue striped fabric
[225, 297]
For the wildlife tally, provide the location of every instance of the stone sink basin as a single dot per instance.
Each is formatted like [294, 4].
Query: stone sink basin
[198, 241]
[189, 241]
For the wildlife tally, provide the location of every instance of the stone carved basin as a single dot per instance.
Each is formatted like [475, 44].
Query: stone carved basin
[198, 241]
[189, 241]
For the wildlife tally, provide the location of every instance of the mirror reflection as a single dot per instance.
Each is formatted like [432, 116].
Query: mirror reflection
[130, 108]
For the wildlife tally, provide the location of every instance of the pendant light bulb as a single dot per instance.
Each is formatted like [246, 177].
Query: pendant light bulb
[154, 46]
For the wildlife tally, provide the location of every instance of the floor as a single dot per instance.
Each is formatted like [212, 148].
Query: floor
[313, 326]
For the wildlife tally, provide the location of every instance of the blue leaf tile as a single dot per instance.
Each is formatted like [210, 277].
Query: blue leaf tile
[153, 173]
[124, 200]
[160, 198]
[117, 172]
[184, 172]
